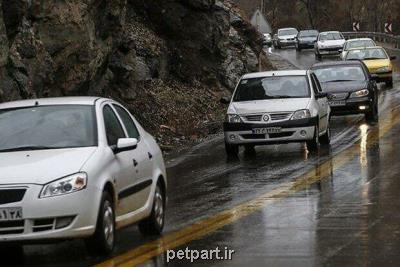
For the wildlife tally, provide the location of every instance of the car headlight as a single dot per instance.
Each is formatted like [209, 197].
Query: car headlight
[360, 93]
[233, 118]
[66, 185]
[384, 69]
[301, 114]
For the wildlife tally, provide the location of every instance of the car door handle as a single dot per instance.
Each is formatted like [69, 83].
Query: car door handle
[135, 163]
[150, 155]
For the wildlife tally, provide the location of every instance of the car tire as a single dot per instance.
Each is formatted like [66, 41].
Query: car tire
[231, 150]
[313, 144]
[372, 115]
[326, 138]
[389, 83]
[102, 242]
[154, 224]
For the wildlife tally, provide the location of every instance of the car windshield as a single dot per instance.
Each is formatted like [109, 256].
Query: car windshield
[308, 34]
[272, 88]
[340, 74]
[367, 54]
[47, 127]
[287, 32]
[359, 44]
[330, 36]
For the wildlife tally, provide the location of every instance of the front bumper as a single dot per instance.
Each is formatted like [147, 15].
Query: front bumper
[352, 106]
[330, 50]
[40, 216]
[384, 76]
[306, 45]
[287, 42]
[291, 131]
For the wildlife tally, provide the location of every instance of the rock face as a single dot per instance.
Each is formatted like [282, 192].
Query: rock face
[168, 61]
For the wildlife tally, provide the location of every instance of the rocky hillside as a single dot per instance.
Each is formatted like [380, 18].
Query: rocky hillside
[168, 61]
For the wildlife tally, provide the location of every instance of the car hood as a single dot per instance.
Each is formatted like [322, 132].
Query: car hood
[336, 87]
[41, 166]
[377, 63]
[332, 42]
[271, 105]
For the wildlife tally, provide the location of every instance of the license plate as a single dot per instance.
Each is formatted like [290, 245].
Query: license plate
[337, 103]
[267, 130]
[10, 214]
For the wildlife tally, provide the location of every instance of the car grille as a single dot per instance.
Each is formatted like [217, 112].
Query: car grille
[253, 118]
[280, 116]
[12, 227]
[253, 136]
[272, 116]
[338, 96]
[11, 195]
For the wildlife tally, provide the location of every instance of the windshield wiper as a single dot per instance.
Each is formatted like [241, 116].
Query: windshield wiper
[335, 81]
[372, 58]
[278, 96]
[26, 148]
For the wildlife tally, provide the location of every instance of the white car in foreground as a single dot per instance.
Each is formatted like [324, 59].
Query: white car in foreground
[277, 107]
[329, 43]
[77, 168]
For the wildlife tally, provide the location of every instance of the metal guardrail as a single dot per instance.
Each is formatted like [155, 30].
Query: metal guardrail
[377, 36]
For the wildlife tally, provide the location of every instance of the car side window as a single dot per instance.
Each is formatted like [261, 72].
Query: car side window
[128, 122]
[114, 130]
[314, 84]
[319, 88]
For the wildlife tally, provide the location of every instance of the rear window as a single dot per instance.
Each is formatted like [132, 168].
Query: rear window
[276, 87]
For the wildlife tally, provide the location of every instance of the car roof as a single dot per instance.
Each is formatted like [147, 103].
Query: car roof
[329, 32]
[78, 100]
[275, 73]
[287, 29]
[359, 39]
[336, 63]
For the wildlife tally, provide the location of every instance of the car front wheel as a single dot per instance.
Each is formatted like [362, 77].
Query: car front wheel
[372, 115]
[154, 224]
[313, 144]
[231, 150]
[326, 138]
[389, 83]
[103, 240]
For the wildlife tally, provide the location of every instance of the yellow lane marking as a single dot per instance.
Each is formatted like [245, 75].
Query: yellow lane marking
[206, 226]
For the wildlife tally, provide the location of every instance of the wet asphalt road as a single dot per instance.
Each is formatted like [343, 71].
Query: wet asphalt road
[279, 206]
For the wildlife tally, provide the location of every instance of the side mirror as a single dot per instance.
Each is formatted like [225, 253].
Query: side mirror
[321, 95]
[125, 144]
[225, 100]
[393, 58]
[374, 76]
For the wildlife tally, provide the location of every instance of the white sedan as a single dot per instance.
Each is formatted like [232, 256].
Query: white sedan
[77, 168]
[329, 43]
[277, 107]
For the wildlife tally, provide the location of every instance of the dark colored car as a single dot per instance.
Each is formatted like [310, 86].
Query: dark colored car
[306, 39]
[350, 87]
